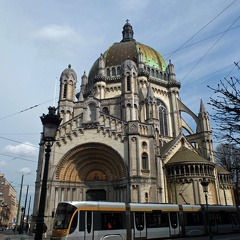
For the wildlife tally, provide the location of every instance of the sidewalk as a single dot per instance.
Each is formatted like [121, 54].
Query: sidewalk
[12, 236]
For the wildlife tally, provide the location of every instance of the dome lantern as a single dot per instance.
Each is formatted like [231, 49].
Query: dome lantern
[127, 32]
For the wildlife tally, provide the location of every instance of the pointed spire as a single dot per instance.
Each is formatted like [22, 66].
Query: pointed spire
[171, 67]
[150, 94]
[141, 95]
[127, 32]
[84, 79]
[80, 97]
[202, 107]
[203, 117]
[172, 76]
[101, 65]
[140, 59]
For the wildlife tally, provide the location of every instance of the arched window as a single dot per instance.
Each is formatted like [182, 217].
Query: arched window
[152, 72]
[163, 123]
[128, 111]
[65, 91]
[113, 72]
[108, 72]
[145, 161]
[118, 71]
[105, 110]
[144, 145]
[128, 83]
[92, 112]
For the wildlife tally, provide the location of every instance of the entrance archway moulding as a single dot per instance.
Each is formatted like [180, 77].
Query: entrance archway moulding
[78, 162]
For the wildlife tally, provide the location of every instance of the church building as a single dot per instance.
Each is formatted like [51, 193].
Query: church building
[123, 138]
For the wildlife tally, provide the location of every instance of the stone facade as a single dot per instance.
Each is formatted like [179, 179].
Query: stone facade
[8, 203]
[121, 136]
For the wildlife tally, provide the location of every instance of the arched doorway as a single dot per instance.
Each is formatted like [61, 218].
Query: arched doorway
[92, 171]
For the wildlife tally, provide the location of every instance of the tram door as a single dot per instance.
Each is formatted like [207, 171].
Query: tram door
[213, 222]
[88, 231]
[139, 225]
[235, 221]
[174, 224]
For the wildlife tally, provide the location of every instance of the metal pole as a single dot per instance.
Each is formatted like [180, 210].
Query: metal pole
[24, 211]
[175, 186]
[40, 216]
[19, 203]
[225, 197]
[208, 222]
[28, 214]
[206, 198]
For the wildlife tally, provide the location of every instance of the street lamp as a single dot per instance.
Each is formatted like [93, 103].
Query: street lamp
[205, 184]
[50, 123]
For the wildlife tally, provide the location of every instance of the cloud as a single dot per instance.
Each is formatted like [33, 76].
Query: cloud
[25, 170]
[55, 33]
[135, 5]
[25, 148]
[2, 163]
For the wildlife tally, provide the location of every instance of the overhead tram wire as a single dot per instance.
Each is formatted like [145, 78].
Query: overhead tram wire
[201, 29]
[209, 50]
[31, 145]
[25, 159]
[187, 84]
[166, 54]
[236, 65]
[27, 109]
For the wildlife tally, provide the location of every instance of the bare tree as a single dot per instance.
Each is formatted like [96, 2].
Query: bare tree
[226, 106]
[228, 156]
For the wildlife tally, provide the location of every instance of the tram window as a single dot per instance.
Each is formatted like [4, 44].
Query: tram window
[234, 218]
[74, 223]
[194, 218]
[82, 221]
[155, 220]
[223, 218]
[139, 220]
[89, 221]
[173, 219]
[111, 220]
[212, 219]
[63, 215]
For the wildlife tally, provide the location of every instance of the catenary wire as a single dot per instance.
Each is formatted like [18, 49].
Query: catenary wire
[187, 84]
[201, 29]
[208, 51]
[202, 40]
[24, 110]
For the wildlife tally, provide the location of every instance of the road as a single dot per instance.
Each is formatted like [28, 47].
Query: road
[11, 236]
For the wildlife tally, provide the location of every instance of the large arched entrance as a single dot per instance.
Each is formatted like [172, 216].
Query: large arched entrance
[92, 171]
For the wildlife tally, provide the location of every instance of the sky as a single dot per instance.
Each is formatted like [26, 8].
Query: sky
[40, 38]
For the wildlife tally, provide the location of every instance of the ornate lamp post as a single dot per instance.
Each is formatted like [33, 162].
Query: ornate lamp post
[50, 123]
[205, 184]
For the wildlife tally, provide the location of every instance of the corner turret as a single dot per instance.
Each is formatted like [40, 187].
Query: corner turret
[68, 80]
[171, 74]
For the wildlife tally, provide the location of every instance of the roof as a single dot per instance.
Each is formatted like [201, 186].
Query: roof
[129, 48]
[221, 170]
[119, 52]
[68, 72]
[184, 155]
